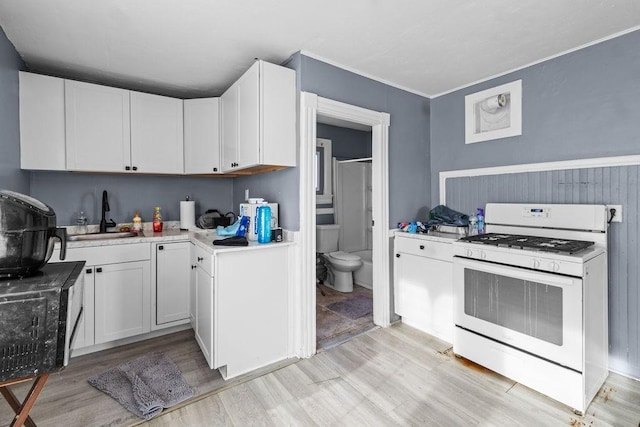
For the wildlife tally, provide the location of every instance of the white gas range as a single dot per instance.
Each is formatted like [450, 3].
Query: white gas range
[531, 298]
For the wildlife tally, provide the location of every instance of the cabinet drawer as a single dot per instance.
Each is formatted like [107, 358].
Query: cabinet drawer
[425, 248]
[204, 259]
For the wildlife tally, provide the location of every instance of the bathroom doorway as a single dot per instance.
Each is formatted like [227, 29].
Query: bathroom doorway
[316, 111]
[344, 212]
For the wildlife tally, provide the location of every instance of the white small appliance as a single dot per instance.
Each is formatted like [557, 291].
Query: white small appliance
[251, 210]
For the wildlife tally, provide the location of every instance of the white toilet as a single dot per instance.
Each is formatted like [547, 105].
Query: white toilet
[340, 265]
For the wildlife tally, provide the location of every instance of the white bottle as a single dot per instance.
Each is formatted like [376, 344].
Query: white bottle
[473, 225]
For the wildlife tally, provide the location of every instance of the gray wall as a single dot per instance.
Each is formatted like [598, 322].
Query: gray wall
[409, 133]
[346, 143]
[11, 177]
[67, 193]
[582, 105]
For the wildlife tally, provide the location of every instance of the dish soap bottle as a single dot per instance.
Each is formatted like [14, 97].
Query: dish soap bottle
[137, 222]
[157, 220]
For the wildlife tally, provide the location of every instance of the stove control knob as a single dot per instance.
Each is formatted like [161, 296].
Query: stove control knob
[554, 266]
[535, 263]
[468, 252]
[483, 255]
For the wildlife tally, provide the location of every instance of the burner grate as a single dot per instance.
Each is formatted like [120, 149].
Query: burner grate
[544, 244]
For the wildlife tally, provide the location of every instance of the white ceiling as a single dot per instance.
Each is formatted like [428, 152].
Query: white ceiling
[195, 48]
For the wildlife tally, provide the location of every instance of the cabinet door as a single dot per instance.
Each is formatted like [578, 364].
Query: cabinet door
[424, 296]
[97, 127]
[42, 134]
[205, 315]
[278, 118]
[156, 134]
[192, 286]
[122, 296]
[229, 101]
[249, 117]
[202, 136]
[85, 331]
[172, 282]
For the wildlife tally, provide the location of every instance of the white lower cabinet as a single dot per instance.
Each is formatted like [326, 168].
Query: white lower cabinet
[122, 300]
[204, 315]
[117, 298]
[242, 319]
[423, 282]
[170, 296]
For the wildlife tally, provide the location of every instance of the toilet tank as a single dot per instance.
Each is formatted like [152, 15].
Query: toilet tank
[327, 238]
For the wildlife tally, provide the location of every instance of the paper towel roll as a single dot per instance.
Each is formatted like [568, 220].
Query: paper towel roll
[187, 215]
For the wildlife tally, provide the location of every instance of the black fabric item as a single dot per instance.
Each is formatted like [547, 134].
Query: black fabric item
[442, 215]
[232, 241]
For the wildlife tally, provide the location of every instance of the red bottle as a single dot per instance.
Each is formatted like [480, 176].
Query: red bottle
[157, 220]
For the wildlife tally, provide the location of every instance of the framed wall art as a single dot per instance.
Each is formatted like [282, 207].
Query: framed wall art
[494, 113]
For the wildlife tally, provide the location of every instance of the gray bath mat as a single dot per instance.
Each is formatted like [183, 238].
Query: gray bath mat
[146, 385]
[354, 307]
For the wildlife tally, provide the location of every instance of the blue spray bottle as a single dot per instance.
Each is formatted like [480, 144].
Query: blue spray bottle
[480, 216]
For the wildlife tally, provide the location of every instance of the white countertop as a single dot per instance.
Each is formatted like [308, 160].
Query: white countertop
[202, 238]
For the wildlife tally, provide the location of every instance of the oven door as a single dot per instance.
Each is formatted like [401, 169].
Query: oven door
[537, 312]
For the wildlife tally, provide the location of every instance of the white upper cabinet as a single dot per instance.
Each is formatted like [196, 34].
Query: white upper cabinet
[229, 131]
[156, 134]
[202, 136]
[42, 135]
[97, 127]
[259, 119]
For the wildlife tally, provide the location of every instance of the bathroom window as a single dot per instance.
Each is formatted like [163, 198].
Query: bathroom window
[323, 172]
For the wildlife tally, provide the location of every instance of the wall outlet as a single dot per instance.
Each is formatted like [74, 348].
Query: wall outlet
[618, 216]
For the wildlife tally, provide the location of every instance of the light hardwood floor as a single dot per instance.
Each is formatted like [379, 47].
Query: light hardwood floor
[391, 376]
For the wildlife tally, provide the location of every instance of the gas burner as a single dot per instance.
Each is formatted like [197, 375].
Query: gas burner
[543, 244]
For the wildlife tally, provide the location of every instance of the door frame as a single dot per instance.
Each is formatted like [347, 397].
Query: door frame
[311, 106]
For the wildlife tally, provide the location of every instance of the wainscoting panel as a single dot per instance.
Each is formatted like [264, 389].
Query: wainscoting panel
[606, 185]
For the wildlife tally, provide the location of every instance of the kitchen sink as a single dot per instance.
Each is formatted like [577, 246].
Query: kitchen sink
[102, 236]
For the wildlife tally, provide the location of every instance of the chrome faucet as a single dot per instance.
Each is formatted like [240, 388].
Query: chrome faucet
[105, 208]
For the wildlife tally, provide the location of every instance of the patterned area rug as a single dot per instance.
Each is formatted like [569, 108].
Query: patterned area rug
[353, 308]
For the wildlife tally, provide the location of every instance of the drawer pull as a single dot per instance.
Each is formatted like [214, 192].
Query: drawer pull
[200, 259]
[421, 247]
[397, 255]
[99, 270]
[89, 271]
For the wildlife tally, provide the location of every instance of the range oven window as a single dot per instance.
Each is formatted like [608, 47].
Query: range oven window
[524, 306]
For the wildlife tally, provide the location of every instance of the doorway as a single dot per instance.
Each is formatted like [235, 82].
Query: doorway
[344, 305]
[314, 110]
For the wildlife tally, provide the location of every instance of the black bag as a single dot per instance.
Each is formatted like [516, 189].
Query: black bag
[212, 218]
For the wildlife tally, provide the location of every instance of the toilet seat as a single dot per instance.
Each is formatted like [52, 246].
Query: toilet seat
[344, 256]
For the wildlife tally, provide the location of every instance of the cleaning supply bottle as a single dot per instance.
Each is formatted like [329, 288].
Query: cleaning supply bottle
[157, 219]
[480, 217]
[137, 222]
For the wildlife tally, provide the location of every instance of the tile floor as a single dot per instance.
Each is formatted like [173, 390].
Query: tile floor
[332, 327]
